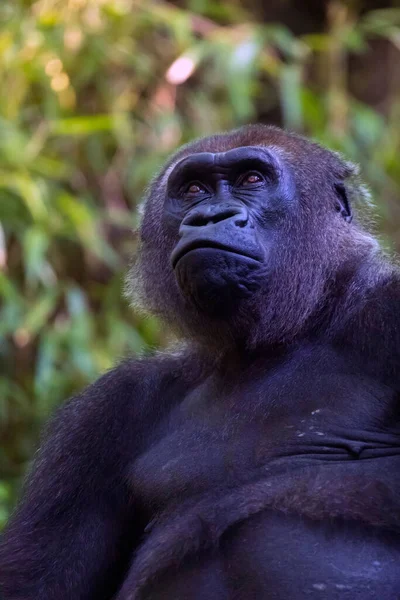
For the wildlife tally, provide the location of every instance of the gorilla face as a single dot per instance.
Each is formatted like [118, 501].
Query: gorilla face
[245, 236]
[226, 210]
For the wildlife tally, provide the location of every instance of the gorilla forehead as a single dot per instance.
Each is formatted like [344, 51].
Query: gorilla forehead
[303, 151]
[225, 159]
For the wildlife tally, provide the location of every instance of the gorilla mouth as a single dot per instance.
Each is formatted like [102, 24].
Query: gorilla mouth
[179, 253]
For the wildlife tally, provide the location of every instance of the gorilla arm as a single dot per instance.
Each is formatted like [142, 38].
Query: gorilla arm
[64, 535]
[374, 332]
[69, 537]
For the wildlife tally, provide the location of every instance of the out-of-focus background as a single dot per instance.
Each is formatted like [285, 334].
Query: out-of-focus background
[94, 94]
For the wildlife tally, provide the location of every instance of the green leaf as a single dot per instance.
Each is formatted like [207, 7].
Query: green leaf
[30, 192]
[290, 91]
[40, 312]
[35, 245]
[85, 125]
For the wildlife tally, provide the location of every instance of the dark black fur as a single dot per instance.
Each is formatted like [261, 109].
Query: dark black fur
[261, 457]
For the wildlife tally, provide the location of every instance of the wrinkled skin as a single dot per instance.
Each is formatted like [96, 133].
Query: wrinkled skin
[260, 458]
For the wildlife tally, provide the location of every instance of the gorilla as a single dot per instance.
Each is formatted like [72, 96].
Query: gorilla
[259, 458]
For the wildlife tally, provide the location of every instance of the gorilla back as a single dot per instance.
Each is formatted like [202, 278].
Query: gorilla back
[260, 458]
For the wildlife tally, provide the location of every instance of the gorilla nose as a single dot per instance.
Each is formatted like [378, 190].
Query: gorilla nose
[211, 215]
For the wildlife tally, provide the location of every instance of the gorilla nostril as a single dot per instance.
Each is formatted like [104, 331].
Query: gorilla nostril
[240, 221]
[198, 221]
[211, 217]
[224, 215]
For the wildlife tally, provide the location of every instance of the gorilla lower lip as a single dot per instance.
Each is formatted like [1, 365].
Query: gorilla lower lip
[209, 245]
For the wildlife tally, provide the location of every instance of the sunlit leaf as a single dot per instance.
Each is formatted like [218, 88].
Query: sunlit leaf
[40, 312]
[35, 244]
[30, 192]
[83, 126]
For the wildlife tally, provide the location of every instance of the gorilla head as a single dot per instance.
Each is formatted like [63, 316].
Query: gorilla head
[247, 235]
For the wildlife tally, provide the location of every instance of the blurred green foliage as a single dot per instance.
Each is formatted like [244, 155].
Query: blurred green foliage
[94, 95]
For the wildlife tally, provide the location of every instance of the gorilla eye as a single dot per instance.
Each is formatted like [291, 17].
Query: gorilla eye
[250, 179]
[194, 188]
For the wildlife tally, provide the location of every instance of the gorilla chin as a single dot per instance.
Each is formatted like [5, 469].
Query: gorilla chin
[216, 280]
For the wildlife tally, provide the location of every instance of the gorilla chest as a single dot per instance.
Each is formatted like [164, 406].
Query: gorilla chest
[231, 474]
[193, 458]
[209, 442]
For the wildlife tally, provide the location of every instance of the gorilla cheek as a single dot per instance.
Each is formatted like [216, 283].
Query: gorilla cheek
[216, 280]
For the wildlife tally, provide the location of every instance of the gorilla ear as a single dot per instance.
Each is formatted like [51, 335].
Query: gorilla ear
[343, 204]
